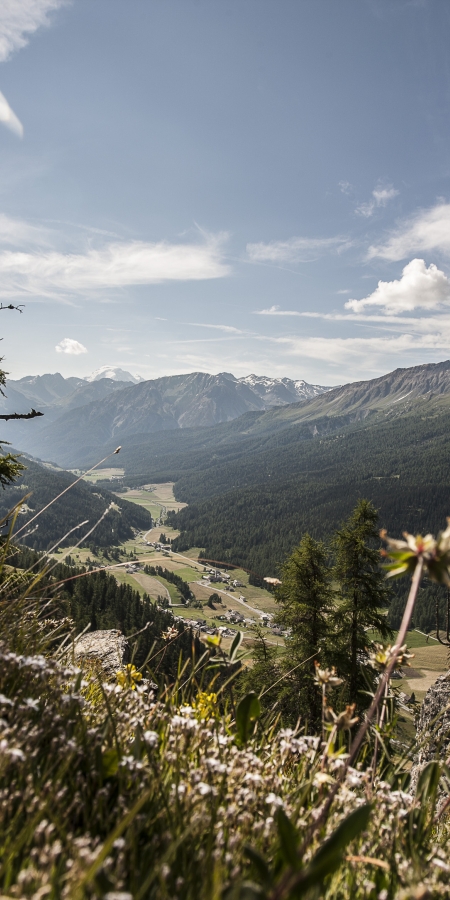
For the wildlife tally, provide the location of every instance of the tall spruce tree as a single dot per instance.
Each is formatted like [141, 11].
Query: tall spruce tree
[305, 598]
[362, 593]
[264, 672]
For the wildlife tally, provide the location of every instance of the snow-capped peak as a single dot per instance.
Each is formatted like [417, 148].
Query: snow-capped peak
[115, 373]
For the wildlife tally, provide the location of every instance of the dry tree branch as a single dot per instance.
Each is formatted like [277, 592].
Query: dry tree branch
[31, 415]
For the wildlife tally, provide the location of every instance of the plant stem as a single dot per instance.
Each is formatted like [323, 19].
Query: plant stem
[291, 879]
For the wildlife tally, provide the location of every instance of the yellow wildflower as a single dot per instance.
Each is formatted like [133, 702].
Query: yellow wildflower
[128, 677]
[205, 705]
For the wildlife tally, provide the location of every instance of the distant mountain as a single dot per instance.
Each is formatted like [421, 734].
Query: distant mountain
[53, 392]
[75, 427]
[45, 388]
[50, 394]
[114, 373]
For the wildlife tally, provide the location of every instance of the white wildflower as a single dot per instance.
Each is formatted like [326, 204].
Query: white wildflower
[204, 788]
[274, 800]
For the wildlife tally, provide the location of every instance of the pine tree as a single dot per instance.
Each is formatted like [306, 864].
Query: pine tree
[264, 672]
[306, 608]
[362, 593]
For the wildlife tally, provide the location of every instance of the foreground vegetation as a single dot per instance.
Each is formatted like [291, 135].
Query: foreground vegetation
[191, 787]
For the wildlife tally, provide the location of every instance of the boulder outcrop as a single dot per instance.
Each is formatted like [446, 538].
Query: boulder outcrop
[110, 648]
[433, 728]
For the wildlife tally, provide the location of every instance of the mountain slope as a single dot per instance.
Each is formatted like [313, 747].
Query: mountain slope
[253, 509]
[80, 503]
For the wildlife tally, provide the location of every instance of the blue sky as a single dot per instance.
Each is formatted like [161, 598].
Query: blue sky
[225, 185]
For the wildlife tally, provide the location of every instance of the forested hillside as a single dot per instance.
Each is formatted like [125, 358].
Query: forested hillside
[252, 510]
[79, 504]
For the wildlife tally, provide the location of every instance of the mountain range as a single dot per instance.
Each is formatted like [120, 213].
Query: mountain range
[81, 416]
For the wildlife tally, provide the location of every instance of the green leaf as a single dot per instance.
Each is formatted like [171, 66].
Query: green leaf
[288, 837]
[237, 641]
[247, 711]
[247, 891]
[259, 863]
[421, 818]
[428, 781]
[329, 856]
[110, 762]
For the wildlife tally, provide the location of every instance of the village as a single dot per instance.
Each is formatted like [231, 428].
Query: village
[248, 618]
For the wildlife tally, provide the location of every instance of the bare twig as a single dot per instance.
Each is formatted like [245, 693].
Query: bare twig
[69, 488]
[31, 415]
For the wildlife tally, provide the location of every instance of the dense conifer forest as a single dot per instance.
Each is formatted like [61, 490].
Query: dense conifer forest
[40, 485]
[253, 510]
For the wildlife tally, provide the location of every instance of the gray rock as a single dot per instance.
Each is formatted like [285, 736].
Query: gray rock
[110, 648]
[433, 728]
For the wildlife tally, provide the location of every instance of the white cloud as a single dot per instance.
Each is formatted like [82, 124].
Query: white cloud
[369, 354]
[365, 209]
[381, 196]
[68, 345]
[295, 249]
[115, 265]
[418, 288]
[19, 19]
[20, 233]
[427, 231]
[276, 311]
[345, 187]
[9, 118]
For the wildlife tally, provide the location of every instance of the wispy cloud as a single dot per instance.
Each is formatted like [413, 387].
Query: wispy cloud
[115, 265]
[361, 353]
[228, 329]
[380, 197]
[295, 249]
[345, 187]
[19, 19]
[70, 346]
[276, 311]
[428, 231]
[9, 118]
[19, 233]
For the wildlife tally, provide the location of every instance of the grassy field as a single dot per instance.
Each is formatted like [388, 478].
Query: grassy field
[101, 475]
